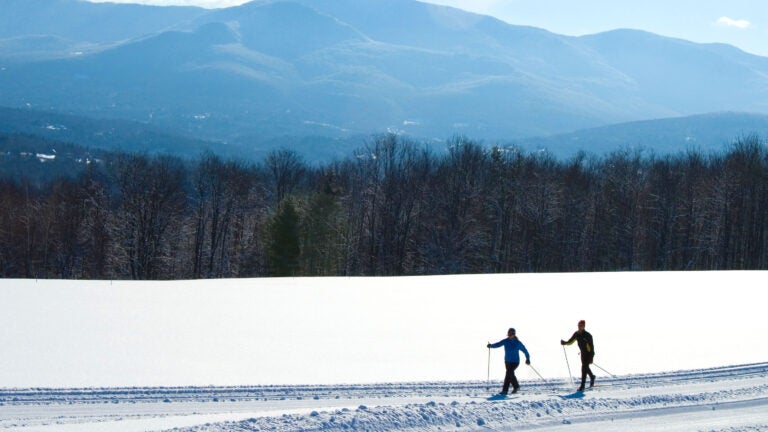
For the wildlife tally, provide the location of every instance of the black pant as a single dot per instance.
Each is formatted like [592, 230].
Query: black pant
[510, 377]
[586, 360]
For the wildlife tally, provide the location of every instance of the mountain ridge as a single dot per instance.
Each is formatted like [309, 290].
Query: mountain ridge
[706, 133]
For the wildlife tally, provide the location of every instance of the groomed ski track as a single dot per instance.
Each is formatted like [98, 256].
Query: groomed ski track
[723, 399]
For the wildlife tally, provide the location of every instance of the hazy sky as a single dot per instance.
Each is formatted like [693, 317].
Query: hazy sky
[742, 23]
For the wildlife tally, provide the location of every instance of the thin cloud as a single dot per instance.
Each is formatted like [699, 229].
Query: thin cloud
[730, 22]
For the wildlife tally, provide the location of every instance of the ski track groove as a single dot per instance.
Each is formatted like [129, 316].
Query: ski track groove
[432, 405]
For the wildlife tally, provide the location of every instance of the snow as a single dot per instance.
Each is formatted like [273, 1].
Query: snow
[45, 157]
[717, 399]
[383, 353]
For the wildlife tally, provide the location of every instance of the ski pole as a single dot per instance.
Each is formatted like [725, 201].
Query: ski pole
[537, 372]
[488, 379]
[569, 365]
[598, 366]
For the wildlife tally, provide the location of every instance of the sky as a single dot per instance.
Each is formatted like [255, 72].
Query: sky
[742, 23]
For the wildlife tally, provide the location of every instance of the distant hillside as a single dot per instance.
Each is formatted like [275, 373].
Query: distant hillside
[707, 133]
[107, 134]
[39, 160]
[130, 136]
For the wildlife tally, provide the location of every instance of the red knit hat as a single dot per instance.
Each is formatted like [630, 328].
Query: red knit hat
[582, 323]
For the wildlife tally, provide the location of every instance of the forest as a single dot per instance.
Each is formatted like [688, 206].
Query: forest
[392, 208]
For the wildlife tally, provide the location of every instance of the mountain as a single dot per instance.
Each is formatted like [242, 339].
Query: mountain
[82, 21]
[708, 133]
[325, 72]
[681, 76]
[105, 134]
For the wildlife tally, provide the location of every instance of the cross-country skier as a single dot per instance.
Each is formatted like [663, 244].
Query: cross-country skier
[512, 346]
[587, 347]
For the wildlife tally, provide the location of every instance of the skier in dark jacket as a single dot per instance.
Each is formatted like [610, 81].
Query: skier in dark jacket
[584, 339]
[512, 346]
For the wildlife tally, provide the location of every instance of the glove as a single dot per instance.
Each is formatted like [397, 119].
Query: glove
[488, 346]
[562, 342]
[528, 362]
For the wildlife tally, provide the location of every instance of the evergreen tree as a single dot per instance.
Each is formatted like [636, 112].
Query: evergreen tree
[284, 248]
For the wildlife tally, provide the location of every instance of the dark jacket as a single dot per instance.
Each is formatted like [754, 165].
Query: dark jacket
[584, 340]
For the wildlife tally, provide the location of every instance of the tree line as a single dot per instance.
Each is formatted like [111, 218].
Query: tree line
[392, 208]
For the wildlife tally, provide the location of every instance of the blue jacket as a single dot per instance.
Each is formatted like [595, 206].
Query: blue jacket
[511, 349]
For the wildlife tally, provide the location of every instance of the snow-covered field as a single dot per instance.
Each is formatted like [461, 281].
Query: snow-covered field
[681, 352]
[710, 400]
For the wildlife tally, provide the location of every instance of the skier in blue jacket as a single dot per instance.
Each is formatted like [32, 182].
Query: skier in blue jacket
[512, 346]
